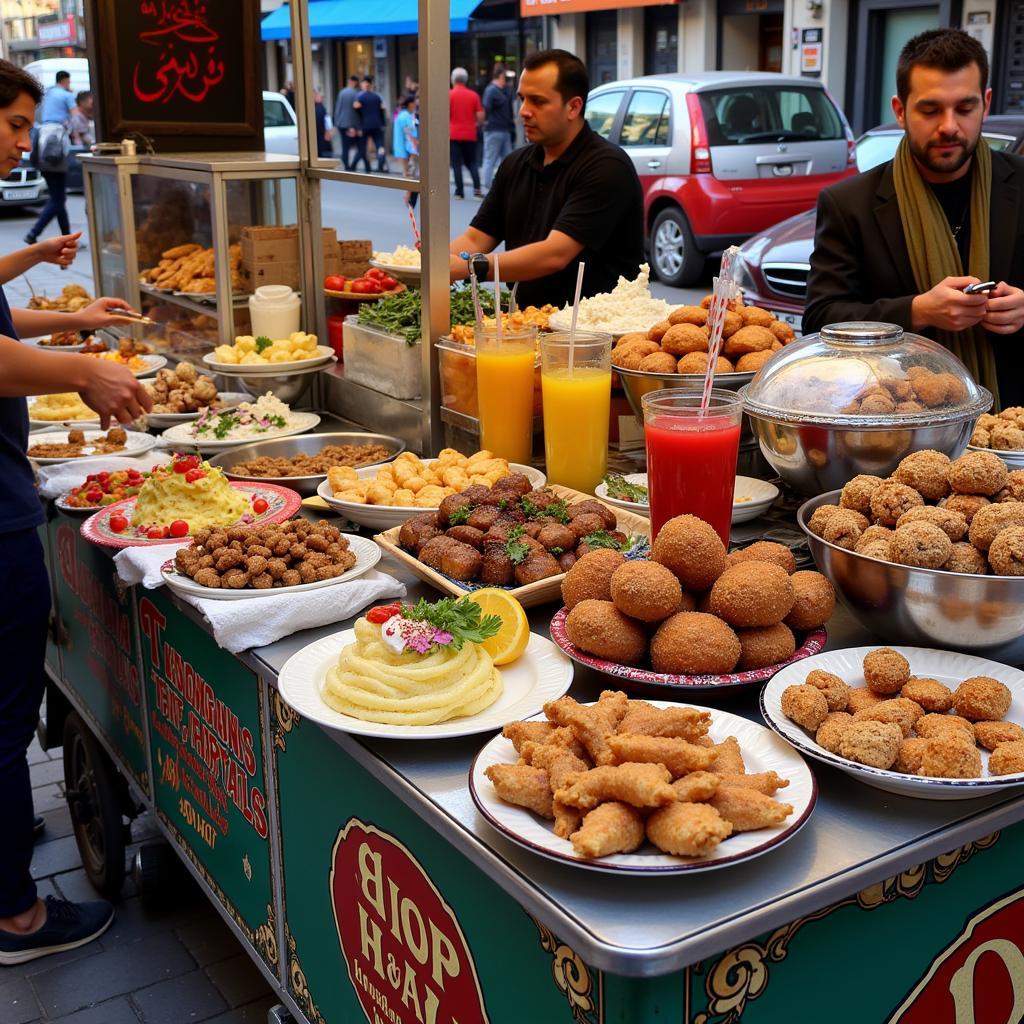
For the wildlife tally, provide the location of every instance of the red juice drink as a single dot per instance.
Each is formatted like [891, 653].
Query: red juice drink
[691, 459]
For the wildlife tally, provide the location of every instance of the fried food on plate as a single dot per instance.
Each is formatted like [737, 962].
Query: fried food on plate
[920, 544]
[1006, 553]
[591, 725]
[950, 757]
[978, 473]
[764, 782]
[952, 523]
[966, 558]
[694, 643]
[993, 734]
[765, 645]
[930, 694]
[875, 744]
[911, 755]
[927, 472]
[837, 693]
[765, 551]
[982, 699]
[611, 827]
[831, 730]
[1007, 758]
[687, 829]
[861, 697]
[645, 590]
[692, 550]
[641, 785]
[679, 756]
[805, 705]
[599, 628]
[646, 720]
[966, 504]
[728, 758]
[814, 600]
[899, 710]
[752, 594]
[844, 528]
[857, 493]
[891, 499]
[696, 786]
[931, 726]
[524, 786]
[990, 521]
[747, 809]
[886, 671]
[522, 732]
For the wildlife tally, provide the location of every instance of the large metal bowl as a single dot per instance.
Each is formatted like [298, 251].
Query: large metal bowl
[900, 604]
[637, 383]
[302, 444]
[288, 387]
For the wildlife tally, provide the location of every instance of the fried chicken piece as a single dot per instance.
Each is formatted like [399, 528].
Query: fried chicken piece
[886, 671]
[559, 762]
[644, 719]
[522, 732]
[687, 829]
[930, 694]
[837, 693]
[764, 782]
[950, 757]
[910, 755]
[982, 699]
[697, 786]
[563, 736]
[612, 827]
[641, 785]
[927, 472]
[871, 743]
[591, 725]
[994, 734]
[830, 732]
[805, 705]
[678, 756]
[899, 710]
[524, 786]
[747, 809]
[1007, 758]
[728, 758]
[932, 726]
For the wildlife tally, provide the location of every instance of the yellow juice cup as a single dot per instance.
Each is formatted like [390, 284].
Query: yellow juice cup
[504, 387]
[577, 399]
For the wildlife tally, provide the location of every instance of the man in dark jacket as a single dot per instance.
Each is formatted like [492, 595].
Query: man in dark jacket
[901, 242]
[499, 122]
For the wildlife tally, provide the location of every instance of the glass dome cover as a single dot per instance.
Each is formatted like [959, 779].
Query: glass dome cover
[864, 374]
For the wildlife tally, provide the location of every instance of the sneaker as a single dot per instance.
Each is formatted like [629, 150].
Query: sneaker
[37, 827]
[68, 926]
[30, 239]
[477, 194]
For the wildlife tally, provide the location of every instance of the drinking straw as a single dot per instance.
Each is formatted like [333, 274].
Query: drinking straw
[723, 292]
[575, 314]
[497, 299]
[415, 228]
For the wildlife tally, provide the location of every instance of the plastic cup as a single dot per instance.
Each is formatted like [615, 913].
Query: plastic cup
[504, 387]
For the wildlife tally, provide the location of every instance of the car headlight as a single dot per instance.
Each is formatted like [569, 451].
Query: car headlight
[743, 276]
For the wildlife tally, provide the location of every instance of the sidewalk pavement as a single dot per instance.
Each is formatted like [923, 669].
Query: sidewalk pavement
[176, 965]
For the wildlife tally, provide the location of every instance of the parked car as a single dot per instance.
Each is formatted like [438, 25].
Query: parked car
[280, 125]
[721, 155]
[774, 265]
[22, 186]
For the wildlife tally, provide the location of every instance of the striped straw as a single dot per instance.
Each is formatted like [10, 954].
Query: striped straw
[723, 293]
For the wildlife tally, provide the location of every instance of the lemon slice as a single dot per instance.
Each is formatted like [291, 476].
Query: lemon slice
[510, 641]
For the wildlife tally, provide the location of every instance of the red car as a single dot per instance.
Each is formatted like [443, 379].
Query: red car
[722, 155]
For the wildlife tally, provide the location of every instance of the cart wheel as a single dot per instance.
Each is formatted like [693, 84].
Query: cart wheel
[95, 800]
[159, 874]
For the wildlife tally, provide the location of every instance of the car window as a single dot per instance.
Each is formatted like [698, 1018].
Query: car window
[873, 150]
[601, 111]
[275, 115]
[764, 113]
[646, 120]
[999, 142]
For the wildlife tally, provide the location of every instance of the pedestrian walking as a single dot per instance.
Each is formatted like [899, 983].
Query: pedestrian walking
[50, 155]
[81, 127]
[346, 121]
[371, 119]
[405, 137]
[324, 132]
[466, 113]
[499, 122]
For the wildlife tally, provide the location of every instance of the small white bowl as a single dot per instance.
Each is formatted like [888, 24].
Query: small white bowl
[757, 496]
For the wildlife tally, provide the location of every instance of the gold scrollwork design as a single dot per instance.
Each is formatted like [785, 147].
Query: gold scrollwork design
[742, 974]
[286, 717]
[297, 981]
[571, 975]
[265, 938]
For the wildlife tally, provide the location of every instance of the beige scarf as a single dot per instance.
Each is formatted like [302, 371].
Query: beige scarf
[934, 254]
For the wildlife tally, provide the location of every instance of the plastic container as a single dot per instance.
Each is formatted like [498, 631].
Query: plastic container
[275, 311]
[381, 361]
[336, 335]
[458, 378]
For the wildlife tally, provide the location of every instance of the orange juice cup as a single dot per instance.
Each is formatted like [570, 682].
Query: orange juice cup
[504, 387]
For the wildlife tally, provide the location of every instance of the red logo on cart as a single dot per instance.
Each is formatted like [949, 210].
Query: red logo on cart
[979, 977]
[407, 958]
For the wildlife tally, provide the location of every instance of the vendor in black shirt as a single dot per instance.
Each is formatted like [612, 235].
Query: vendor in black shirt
[569, 197]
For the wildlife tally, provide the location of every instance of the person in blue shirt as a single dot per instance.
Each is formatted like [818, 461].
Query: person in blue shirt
[371, 120]
[31, 927]
[58, 106]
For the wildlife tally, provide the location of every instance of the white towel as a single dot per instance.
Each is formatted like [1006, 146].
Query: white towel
[142, 564]
[59, 479]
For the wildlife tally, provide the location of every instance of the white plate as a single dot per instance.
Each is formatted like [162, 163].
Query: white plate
[228, 400]
[396, 270]
[152, 364]
[324, 355]
[37, 343]
[948, 667]
[135, 444]
[34, 424]
[384, 517]
[367, 556]
[762, 752]
[641, 509]
[761, 495]
[543, 673]
[181, 434]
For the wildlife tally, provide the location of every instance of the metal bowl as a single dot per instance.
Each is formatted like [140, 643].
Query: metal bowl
[302, 444]
[637, 383]
[900, 604]
[1013, 459]
[288, 387]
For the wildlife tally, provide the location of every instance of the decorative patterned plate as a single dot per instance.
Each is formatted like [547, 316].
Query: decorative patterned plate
[646, 680]
[282, 502]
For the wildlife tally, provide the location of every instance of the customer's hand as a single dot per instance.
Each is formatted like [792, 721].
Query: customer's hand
[115, 393]
[947, 307]
[102, 312]
[1005, 313]
[61, 250]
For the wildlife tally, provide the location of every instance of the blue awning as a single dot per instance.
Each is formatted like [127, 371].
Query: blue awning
[337, 19]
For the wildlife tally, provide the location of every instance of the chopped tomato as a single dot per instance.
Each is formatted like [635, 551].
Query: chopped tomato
[382, 613]
[192, 475]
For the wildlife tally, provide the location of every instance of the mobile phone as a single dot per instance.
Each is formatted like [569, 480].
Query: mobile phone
[981, 286]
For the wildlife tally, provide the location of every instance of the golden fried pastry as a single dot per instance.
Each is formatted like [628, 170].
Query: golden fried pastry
[966, 504]
[694, 643]
[697, 786]
[814, 600]
[966, 558]
[831, 730]
[1006, 552]
[821, 515]
[885, 670]
[910, 755]
[762, 646]
[679, 756]
[658, 362]
[875, 744]
[990, 521]
[644, 719]
[590, 577]
[933, 725]
[687, 829]
[765, 551]
[697, 362]
[657, 332]
[992, 734]
[599, 628]
[858, 491]
[861, 697]
[805, 705]
[696, 315]
[519, 733]
[683, 338]
[844, 528]
[692, 550]
[749, 338]
[747, 809]
[982, 699]
[899, 710]
[1013, 490]
[950, 757]
[927, 472]
[929, 694]
[611, 827]
[752, 594]
[891, 499]
[728, 758]
[952, 523]
[837, 693]
[768, 783]
[978, 473]
[640, 785]
[751, 362]
[591, 725]
[523, 786]
[1007, 758]
[645, 590]
[921, 544]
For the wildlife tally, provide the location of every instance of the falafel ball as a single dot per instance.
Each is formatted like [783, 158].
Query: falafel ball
[844, 528]
[978, 473]
[874, 542]
[697, 362]
[966, 504]
[837, 692]
[1013, 489]
[857, 493]
[658, 362]
[765, 551]
[820, 517]
[752, 594]
[693, 643]
[682, 338]
[951, 523]
[982, 699]
[1006, 553]
[599, 628]
[920, 544]
[927, 471]
[805, 705]
[751, 362]
[646, 591]
[814, 600]
[765, 645]
[1007, 758]
[891, 499]
[590, 578]
[991, 520]
[930, 694]
[885, 671]
[691, 549]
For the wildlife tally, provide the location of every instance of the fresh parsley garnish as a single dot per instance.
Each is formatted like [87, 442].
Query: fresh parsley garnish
[558, 510]
[460, 516]
[530, 509]
[601, 539]
[515, 547]
[619, 487]
[263, 342]
[461, 618]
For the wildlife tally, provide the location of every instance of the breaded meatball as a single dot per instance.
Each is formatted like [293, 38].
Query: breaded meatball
[555, 535]
[993, 734]
[991, 520]
[756, 315]
[879, 404]
[875, 744]
[927, 472]
[765, 551]
[639, 346]
[891, 499]
[950, 757]
[837, 693]
[1007, 758]
[858, 491]
[657, 332]
[910, 755]
[1006, 552]
[681, 339]
[933, 725]
[696, 315]
[861, 697]
[599, 628]
[749, 338]
[831, 730]
[874, 535]
[782, 331]
[731, 324]
[982, 699]
[483, 518]
[930, 388]
[814, 600]
[693, 643]
[805, 705]
[966, 504]
[752, 594]
[966, 558]
[590, 578]
[978, 473]
[920, 544]
[751, 362]
[697, 362]
[646, 591]
[765, 645]
[658, 362]
[1013, 489]
[952, 524]
[691, 549]
[844, 528]
[885, 670]
[899, 710]
[820, 517]
[630, 357]
[929, 694]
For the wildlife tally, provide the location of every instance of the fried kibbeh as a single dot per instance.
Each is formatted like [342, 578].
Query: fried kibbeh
[927, 472]
[990, 521]
[591, 577]
[874, 542]
[683, 338]
[950, 757]
[875, 744]
[857, 493]
[599, 628]
[820, 517]
[748, 810]
[1006, 552]
[966, 504]
[929, 694]
[645, 590]
[898, 710]
[639, 785]
[891, 499]
[762, 646]
[844, 528]
[814, 600]
[696, 315]
[697, 362]
[966, 558]
[697, 786]
[524, 786]
[610, 827]
[932, 725]
[679, 756]
[687, 829]
[978, 473]
[861, 697]
[1007, 758]
[836, 691]
[885, 671]
[1013, 490]
[752, 594]
[992, 734]
[831, 730]
[751, 362]
[694, 643]
[692, 550]
[765, 551]
[805, 705]
[658, 362]
[950, 522]
[920, 544]
[982, 699]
